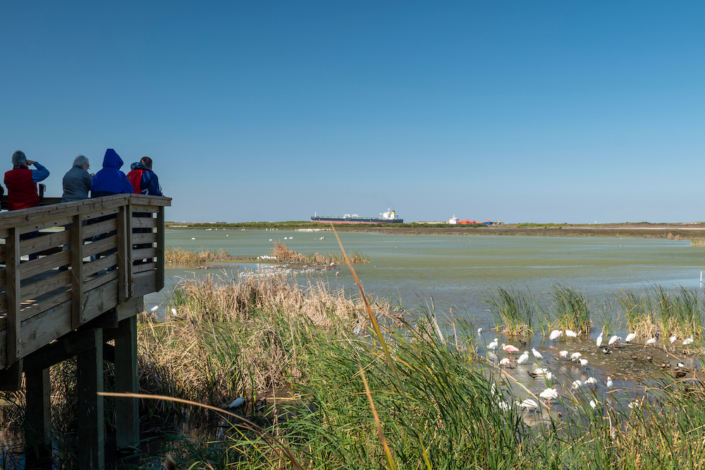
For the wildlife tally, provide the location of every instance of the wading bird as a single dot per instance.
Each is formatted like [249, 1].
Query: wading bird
[479, 331]
[536, 354]
[505, 362]
[576, 385]
[673, 339]
[591, 381]
[510, 349]
[529, 404]
[173, 312]
[555, 334]
[549, 394]
[609, 382]
[613, 340]
[687, 341]
[584, 362]
[493, 345]
[523, 358]
[598, 341]
[571, 334]
[651, 341]
[593, 404]
[575, 356]
[630, 337]
[563, 354]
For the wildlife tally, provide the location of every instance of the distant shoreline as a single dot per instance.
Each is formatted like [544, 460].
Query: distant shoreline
[641, 230]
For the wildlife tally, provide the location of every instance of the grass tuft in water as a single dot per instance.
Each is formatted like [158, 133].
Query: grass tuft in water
[571, 309]
[513, 311]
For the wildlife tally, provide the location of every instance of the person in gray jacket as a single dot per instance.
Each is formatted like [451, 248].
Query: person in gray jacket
[77, 181]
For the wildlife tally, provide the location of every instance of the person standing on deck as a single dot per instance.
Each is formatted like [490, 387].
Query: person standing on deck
[77, 181]
[22, 190]
[107, 182]
[143, 179]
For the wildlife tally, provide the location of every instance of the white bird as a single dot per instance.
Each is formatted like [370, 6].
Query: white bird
[479, 331]
[584, 362]
[609, 382]
[193, 239]
[687, 341]
[563, 354]
[523, 358]
[591, 381]
[673, 339]
[155, 308]
[575, 356]
[493, 345]
[536, 354]
[503, 406]
[322, 238]
[630, 337]
[593, 405]
[549, 394]
[651, 341]
[681, 365]
[529, 404]
[598, 341]
[634, 404]
[548, 375]
[571, 334]
[555, 334]
[540, 371]
[270, 239]
[236, 402]
[577, 384]
[613, 340]
[505, 362]
[173, 312]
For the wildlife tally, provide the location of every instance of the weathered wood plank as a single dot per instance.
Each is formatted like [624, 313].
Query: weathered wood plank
[41, 265]
[48, 284]
[124, 253]
[45, 224]
[138, 238]
[144, 200]
[76, 271]
[48, 326]
[101, 213]
[29, 217]
[144, 253]
[90, 231]
[144, 209]
[45, 305]
[91, 419]
[64, 348]
[43, 242]
[98, 265]
[100, 280]
[161, 242]
[130, 307]
[38, 419]
[126, 409]
[145, 283]
[140, 268]
[12, 274]
[3, 233]
[101, 299]
[100, 246]
[3, 302]
[2, 253]
[144, 222]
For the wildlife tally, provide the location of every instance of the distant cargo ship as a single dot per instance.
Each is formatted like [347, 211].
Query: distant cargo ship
[389, 217]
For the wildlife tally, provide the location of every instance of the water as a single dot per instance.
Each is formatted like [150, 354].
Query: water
[457, 271]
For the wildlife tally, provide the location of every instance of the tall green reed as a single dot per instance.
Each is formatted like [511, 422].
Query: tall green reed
[571, 309]
[513, 311]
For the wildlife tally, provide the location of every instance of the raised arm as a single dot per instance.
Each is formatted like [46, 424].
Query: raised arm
[40, 174]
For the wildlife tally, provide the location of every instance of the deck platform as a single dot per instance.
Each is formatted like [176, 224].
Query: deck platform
[95, 261]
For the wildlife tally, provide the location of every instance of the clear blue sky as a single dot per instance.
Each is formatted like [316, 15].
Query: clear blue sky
[565, 111]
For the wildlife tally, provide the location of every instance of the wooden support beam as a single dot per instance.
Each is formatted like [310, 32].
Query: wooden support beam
[124, 254]
[109, 353]
[126, 409]
[38, 419]
[11, 378]
[14, 302]
[106, 320]
[91, 419]
[64, 348]
[76, 271]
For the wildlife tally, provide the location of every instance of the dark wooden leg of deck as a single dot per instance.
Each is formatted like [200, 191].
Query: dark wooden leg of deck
[91, 424]
[127, 409]
[38, 419]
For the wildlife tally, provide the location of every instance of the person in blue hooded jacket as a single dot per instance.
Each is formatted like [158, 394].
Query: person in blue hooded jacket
[110, 180]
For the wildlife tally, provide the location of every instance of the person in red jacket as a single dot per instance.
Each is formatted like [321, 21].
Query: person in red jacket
[22, 191]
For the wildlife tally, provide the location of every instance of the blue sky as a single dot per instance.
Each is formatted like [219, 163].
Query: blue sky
[565, 111]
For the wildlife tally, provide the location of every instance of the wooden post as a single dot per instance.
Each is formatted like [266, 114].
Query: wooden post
[127, 409]
[77, 271]
[38, 419]
[124, 253]
[14, 300]
[160, 249]
[91, 426]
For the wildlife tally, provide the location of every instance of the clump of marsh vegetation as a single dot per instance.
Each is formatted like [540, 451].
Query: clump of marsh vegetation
[571, 309]
[663, 312]
[513, 311]
[180, 256]
[283, 253]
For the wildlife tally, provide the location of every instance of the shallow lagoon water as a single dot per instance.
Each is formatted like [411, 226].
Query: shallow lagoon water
[457, 271]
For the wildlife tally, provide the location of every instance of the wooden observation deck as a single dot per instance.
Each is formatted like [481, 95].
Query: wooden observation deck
[113, 248]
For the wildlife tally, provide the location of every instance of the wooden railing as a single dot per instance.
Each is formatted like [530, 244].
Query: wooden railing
[116, 255]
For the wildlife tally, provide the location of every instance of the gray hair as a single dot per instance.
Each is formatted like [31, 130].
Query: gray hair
[19, 158]
[80, 161]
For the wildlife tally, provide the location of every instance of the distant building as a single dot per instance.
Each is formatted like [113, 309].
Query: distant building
[453, 220]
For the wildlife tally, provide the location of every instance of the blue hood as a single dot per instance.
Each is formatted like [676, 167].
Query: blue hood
[110, 180]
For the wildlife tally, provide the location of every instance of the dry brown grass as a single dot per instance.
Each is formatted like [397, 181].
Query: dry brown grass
[180, 256]
[235, 338]
[283, 253]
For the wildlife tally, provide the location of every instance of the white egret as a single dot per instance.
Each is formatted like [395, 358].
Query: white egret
[479, 331]
[598, 341]
[155, 308]
[493, 345]
[173, 312]
[687, 341]
[609, 382]
[673, 339]
[591, 381]
[236, 402]
[536, 354]
[529, 404]
[651, 341]
[549, 394]
[523, 358]
[571, 334]
[630, 337]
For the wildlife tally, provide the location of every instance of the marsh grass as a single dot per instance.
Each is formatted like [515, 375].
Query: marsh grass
[180, 256]
[663, 312]
[283, 253]
[571, 309]
[513, 311]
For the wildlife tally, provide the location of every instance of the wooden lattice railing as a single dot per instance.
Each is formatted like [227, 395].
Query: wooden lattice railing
[116, 255]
